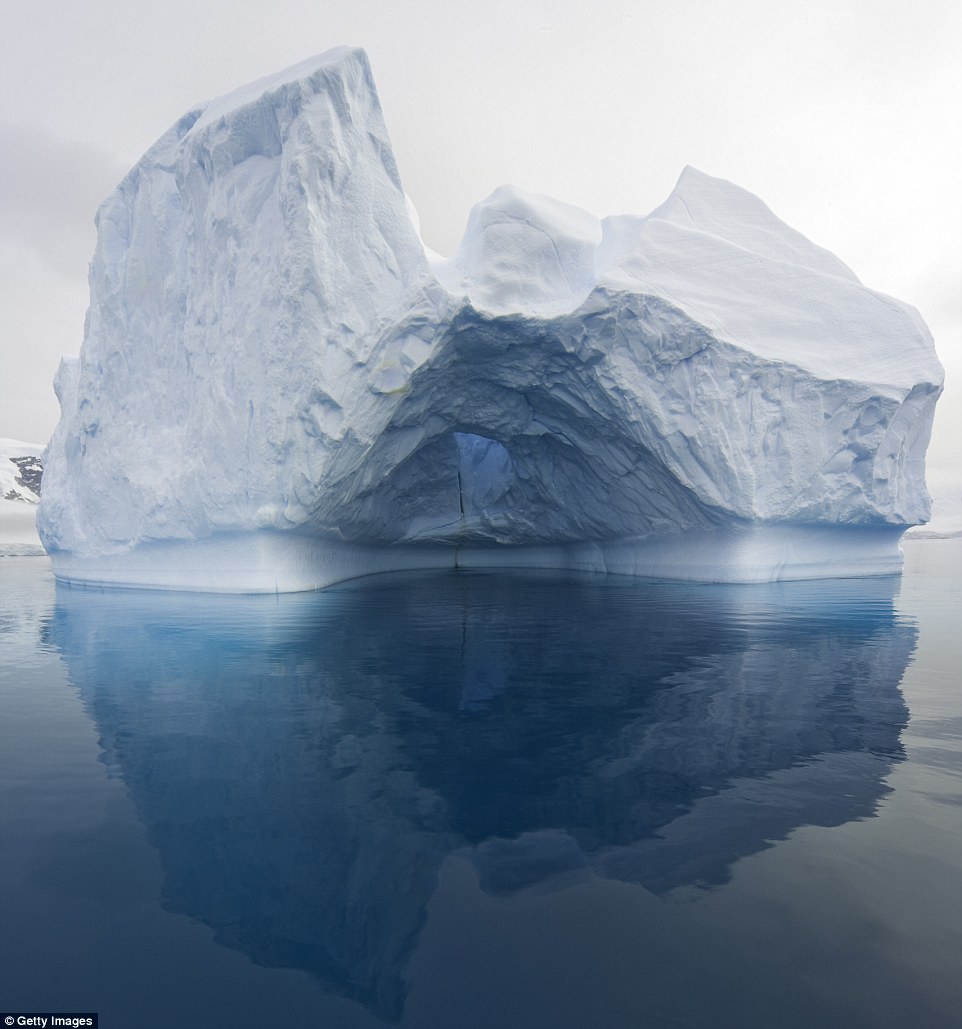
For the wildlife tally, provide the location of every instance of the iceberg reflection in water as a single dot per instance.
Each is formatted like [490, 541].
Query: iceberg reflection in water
[304, 764]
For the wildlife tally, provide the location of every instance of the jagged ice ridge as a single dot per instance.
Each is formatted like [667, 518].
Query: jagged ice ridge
[280, 387]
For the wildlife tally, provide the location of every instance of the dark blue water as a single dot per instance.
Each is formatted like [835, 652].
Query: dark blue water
[457, 800]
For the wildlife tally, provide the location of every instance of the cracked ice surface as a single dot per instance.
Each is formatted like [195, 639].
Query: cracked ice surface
[280, 387]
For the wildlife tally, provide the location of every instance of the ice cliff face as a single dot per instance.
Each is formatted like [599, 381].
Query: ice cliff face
[278, 389]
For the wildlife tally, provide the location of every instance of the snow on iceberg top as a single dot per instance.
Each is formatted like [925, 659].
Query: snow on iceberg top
[523, 252]
[719, 208]
[712, 249]
[717, 252]
[255, 92]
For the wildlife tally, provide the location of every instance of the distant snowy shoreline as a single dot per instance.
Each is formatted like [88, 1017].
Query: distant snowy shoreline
[923, 533]
[20, 472]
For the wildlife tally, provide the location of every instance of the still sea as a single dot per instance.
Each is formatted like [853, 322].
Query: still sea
[444, 801]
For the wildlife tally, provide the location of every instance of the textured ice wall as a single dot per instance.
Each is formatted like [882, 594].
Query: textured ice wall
[278, 389]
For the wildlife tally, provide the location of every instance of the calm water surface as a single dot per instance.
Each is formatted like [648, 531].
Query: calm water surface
[459, 800]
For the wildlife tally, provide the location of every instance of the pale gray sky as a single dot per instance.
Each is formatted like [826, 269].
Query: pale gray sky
[842, 115]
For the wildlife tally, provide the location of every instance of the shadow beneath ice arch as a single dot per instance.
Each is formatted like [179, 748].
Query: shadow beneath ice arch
[305, 763]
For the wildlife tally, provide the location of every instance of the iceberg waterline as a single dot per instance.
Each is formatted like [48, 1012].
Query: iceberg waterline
[280, 388]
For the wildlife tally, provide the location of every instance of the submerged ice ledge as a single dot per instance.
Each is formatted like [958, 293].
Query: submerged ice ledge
[277, 562]
[280, 387]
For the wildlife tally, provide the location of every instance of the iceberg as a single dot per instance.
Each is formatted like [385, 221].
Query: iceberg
[280, 387]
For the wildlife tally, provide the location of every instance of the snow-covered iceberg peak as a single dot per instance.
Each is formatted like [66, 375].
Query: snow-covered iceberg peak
[278, 389]
[720, 254]
[523, 252]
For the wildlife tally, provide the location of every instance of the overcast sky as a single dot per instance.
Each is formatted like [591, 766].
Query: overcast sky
[844, 116]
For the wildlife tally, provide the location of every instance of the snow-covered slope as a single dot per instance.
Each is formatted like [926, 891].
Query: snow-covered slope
[279, 387]
[20, 472]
